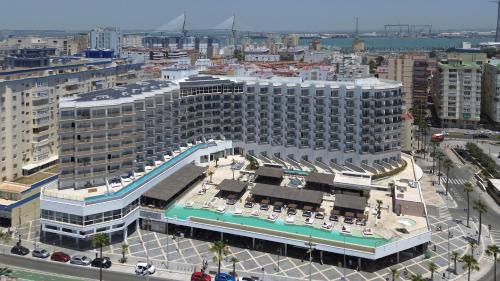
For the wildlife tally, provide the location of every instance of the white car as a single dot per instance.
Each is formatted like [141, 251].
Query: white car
[143, 268]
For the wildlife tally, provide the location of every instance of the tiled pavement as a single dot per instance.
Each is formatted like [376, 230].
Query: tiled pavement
[184, 254]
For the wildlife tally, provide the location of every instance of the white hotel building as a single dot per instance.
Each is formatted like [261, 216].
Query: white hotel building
[159, 127]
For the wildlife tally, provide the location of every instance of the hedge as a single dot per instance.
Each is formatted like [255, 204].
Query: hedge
[489, 165]
[390, 173]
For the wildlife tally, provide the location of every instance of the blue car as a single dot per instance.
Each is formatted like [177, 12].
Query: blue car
[224, 277]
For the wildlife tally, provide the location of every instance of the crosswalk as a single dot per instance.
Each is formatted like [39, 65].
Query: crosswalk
[454, 181]
[444, 214]
[495, 235]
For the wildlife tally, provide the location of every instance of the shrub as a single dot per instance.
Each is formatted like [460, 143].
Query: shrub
[489, 165]
[390, 173]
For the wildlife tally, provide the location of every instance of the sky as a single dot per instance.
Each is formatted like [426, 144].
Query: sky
[252, 15]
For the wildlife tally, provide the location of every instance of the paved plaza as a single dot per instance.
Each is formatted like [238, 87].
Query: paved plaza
[183, 254]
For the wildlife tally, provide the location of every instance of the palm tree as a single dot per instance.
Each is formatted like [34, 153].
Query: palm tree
[210, 174]
[425, 128]
[417, 277]
[394, 273]
[219, 250]
[481, 208]
[455, 255]
[439, 157]
[5, 237]
[379, 211]
[473, 245]
[447, 164]
[234, 260]
[124, 250]
[433, 155]
[470, 263]
[5, 271]
[493, 250]
[468, 188]
[432, 268]
[100, 240]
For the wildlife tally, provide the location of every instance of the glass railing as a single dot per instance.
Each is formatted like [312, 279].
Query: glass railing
[147, 177]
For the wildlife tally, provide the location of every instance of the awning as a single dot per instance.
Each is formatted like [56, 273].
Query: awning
[287, 194]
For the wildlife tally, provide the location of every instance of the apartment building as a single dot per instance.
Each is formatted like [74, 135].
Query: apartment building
[105, 134]
[106, 38]
[458, 100]
[29, 104]
[490, 96]
[410, 69]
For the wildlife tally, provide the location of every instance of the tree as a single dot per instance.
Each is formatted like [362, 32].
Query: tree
[468, 188]
[100, 240]
[473, 245]
[432, 268]
[426, 132]
[493, 250]
[470, 263]
[5, 271]
[238, 54]
[481, 208]
[455, 256]
[219, 250]
[433, 155]
[124, 250]
[234, 260]
[417, 277]
[447, 164]
[394, 273]
[210, 174]
[5, 237]
[439, 157]
[379, 210]
[373, 66]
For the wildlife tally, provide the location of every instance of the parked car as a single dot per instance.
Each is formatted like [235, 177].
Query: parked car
[200, 276]
[40, 253]
[224, 277]
[105, 262]
[19, 250]
[80, 260]
[60, 257]
[143, 268]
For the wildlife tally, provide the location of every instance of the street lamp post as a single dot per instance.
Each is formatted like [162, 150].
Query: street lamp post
[167, 241]
[279, 253]
[343, 277]
[449, 260]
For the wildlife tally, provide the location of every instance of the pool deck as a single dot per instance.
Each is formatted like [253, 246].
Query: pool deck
[384, 228]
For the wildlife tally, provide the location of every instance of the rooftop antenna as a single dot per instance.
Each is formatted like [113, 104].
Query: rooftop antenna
[497, 33]
[184, 27]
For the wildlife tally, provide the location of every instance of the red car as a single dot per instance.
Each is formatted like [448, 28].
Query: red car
[60, 257]
[200, 276]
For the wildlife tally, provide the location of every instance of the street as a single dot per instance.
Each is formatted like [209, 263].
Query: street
[458, 175]
[71, 270]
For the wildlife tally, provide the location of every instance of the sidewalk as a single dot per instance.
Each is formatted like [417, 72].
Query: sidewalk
[434, 194]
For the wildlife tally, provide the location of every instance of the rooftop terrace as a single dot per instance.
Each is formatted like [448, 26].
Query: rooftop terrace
[203, 204]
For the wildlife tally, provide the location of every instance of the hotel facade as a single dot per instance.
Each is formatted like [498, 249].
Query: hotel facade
[117, 144]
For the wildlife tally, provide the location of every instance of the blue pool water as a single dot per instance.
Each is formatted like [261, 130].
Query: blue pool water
[179, 212]
[155, 172]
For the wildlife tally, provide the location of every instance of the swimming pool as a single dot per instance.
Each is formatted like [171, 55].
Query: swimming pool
[155, 172]
[179, 212]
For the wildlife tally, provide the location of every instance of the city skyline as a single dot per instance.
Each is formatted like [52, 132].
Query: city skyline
[302, 16]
